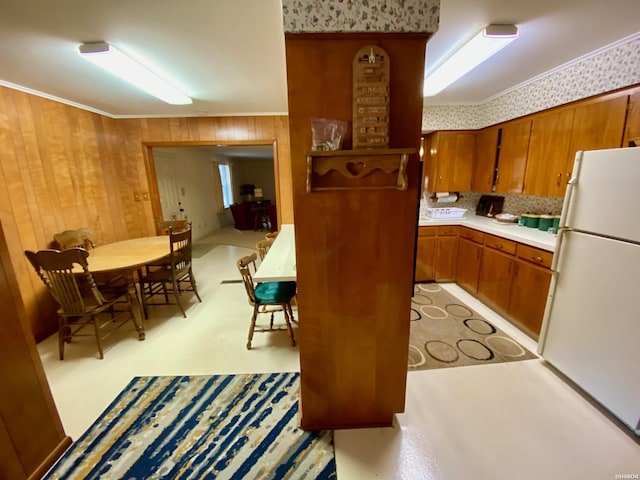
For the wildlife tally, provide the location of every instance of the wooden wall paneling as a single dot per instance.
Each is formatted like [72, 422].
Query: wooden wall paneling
[354, 248]
[27, 411]
[64, 167]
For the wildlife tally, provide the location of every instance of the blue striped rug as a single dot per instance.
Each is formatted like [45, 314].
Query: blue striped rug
[201, 427]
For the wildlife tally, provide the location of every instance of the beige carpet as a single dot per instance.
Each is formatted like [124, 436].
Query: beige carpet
[447, 333]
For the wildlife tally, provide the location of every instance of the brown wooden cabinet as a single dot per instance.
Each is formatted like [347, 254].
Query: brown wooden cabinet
[426, 254]
[558, 135]
[548, 153]
[531, 280]
[436, 253]
[468, 258]
[514, 279]
[632, 125]
[449, 158]
[512, 158]
[484, 170]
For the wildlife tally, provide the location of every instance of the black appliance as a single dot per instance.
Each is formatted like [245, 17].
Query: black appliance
[489, 205]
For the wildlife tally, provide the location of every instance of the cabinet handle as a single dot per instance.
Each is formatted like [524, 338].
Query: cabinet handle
[498, 246]
[498, 179]
[489, 180]
[558, 179]
[537, 259]
[479, 254]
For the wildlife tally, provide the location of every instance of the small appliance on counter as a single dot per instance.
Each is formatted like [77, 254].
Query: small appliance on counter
[489, 205]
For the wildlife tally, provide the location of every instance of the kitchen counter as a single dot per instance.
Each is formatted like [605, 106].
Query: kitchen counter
[529, 236]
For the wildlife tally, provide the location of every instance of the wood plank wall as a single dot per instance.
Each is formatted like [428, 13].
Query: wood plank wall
[62, 167]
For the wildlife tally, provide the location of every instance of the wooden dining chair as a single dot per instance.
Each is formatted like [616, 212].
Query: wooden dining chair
[82, 304]
[163, 227]
[271, 235]
[82, 238]
[266, 298]
[173, 277]
[263, 247]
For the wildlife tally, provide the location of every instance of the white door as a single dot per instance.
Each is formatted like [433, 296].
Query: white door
[168, 188]
[592, 325]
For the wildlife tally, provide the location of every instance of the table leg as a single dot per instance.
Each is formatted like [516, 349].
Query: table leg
[136, 306]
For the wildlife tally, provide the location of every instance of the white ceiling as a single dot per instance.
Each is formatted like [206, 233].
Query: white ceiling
[228, 55]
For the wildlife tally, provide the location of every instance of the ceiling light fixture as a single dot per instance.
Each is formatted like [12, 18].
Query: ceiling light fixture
[489, 41]
[114, 61]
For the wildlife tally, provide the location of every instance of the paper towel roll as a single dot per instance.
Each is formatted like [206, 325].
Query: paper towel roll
[450, 198]
[442, 194]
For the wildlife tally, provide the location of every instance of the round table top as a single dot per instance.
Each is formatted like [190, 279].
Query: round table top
[128, 254]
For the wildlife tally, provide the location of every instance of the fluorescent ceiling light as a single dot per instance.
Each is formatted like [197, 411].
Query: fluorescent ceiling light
[489, 41]
[114, 61]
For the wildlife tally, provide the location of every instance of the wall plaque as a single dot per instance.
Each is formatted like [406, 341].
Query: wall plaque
[371, 98]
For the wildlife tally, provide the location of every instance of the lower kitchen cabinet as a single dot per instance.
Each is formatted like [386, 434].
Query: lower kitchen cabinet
[436, 253]
[468, 258]
[494, 282]
[426, 254]
[528, 296]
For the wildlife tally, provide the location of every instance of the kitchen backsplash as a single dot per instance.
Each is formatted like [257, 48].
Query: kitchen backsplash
[515, 204]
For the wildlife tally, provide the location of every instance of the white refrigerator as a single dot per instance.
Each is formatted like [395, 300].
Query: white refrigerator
[591, 327]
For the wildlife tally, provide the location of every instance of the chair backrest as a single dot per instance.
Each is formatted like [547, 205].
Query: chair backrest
[180, 251]
[244, 267]
[263, 247]
[55, 269]
[166, 226]
[80, 238]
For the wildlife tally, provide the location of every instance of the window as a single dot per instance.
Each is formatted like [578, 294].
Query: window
[225, 180]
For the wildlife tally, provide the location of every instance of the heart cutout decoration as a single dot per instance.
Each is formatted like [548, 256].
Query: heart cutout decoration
[355, 168]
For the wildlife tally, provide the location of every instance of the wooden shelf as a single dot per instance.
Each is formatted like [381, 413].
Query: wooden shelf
[358, 169]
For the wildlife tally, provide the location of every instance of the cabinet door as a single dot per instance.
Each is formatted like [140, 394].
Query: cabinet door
[596, 126]
[451, 155]
[426, 258]
[632, 125]
[514, 146]
[494, 282]
[446, 258]
[468, 264]
[485, 161]
[548, 152]
[528, 297]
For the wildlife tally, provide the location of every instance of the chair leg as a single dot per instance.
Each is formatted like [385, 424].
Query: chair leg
[61, 337]
[285, 309]
[97, 333]
[176, 294]
[192, 281]
[252, 326]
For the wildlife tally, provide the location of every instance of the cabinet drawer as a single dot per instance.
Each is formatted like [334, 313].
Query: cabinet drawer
[427, 231]
[499, 243]
[535, 255]
[470, 234]
[446, 231]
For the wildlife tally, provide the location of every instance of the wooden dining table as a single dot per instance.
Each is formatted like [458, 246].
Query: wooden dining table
[125, 258]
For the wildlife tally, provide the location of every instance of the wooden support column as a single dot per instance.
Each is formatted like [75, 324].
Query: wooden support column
[354, 246]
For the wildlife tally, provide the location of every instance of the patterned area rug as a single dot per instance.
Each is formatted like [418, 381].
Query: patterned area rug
[194, 427]
[447, 333]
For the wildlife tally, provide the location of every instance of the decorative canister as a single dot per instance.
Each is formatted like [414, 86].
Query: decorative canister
[532, 221]
[545, 222]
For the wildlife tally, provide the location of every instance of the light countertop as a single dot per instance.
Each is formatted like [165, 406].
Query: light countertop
[529, 236]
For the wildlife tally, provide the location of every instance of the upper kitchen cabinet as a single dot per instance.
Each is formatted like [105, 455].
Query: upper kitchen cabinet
[484, 170]
[558, 135]
[632, 126]
[449, 161]
[548, 152]
[512, 158]
[598, 124]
